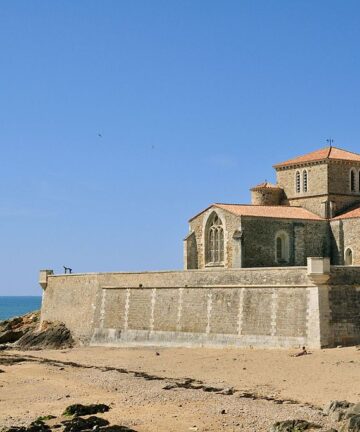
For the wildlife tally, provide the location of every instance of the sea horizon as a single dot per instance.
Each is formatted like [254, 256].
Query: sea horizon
[13, 306]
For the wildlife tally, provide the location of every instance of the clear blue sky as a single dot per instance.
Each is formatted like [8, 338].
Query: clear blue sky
[195, 100]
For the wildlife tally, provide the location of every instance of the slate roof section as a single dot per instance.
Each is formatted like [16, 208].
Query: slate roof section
[265, 211]
[326, 153]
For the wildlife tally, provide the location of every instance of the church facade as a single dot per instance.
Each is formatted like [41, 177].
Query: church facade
[312, 210]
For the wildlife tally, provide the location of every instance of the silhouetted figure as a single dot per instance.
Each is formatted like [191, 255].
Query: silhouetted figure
[67, 270]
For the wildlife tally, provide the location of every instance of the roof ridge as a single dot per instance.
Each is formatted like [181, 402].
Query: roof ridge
[346, 151]
[261, 205]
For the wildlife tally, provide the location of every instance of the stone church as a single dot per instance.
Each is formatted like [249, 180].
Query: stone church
[283, 271]
[312, 210]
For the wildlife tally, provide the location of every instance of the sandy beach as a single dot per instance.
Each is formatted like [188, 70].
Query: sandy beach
[227, 389]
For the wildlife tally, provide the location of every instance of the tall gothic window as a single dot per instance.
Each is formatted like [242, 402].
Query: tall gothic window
[214, 242]
[352, 180]
[305, 181]
[297, 182]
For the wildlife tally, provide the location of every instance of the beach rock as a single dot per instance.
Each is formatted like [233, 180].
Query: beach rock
[293, 426]
[78, 424]
[51, 336]
[353, 410]
[23, 323]
[13, 329]
[352, 425]
[81, 410]
[10, 336]
[337, 409]
[36, 426]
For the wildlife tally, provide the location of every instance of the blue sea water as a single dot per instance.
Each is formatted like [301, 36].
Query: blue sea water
[15, 306]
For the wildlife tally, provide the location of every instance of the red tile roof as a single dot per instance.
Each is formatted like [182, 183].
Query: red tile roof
[322, 154]
[265, 185]
[277, 212]
[349, 214]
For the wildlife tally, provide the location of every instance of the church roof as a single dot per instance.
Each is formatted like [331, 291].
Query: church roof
[349, 214]
[265, 185]
[277, 212]
[326, 153]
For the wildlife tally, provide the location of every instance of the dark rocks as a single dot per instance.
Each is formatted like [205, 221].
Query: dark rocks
[24, 333]
[36, 426]
[52, 336]
[10, 336]
[293, 426]
[75, 424]
[81, 410]
[352, 424]
[78, 424]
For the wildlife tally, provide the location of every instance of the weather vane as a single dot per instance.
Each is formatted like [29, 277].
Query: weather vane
[330, 141]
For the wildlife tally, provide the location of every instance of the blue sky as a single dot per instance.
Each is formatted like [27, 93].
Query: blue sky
[194, 101]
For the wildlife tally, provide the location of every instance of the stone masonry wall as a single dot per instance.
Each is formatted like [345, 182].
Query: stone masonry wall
[345, 234]
[344, 306]
[317, 181]
[257, 246]
[267, 307]
[307, 238]
[231, 223]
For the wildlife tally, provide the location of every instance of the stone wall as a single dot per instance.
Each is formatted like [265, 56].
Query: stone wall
[231, 223]
[317, 185]
[307, 238]
[345, 233]
[327, 181]
[344, 306]
[267, 307]
[256, 246]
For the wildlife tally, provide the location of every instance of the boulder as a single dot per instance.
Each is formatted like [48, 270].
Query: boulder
[353, 410]
[352, 424]
[293, 426]
[78, 424]
[81, 410]
[337, 409]
[51, 336]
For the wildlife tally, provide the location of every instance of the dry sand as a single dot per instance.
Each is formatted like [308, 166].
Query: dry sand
[32, 388]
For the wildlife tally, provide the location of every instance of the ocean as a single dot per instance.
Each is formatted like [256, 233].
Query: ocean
[15, 306]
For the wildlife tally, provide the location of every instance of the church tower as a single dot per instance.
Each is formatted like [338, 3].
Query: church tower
[326, 181]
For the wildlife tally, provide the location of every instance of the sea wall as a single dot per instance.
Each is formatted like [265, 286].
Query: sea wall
[239, 307]
[267, 307]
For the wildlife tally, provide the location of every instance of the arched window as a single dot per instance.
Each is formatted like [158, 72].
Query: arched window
[352, 180]
[297, 181]
[214, 241]
[348, 257]
[282, 247]
[305, 181]
[359, 181]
